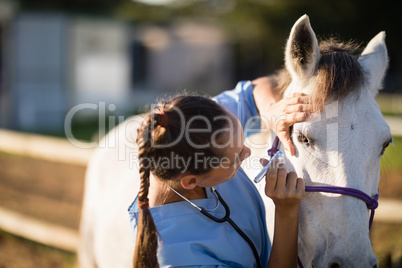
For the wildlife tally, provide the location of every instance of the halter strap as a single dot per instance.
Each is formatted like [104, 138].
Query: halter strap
[275, 147]
[371, 202]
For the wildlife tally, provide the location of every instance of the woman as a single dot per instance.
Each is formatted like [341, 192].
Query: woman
[190, 151]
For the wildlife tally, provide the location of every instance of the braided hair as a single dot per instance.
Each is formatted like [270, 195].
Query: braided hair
[160, 136]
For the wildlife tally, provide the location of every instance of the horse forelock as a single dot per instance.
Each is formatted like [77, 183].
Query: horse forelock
[339, 72]
[337, 75]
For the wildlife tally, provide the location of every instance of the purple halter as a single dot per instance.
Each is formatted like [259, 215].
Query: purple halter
[371, 202]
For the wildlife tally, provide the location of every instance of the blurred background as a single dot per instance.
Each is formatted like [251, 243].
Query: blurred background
[76, 68]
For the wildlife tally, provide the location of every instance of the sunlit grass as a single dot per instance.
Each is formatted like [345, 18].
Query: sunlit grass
[386, 240]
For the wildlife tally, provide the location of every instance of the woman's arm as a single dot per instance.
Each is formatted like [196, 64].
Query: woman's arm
[280, 113]
[263, 92]
[286, 191]
[284, 247]
[240, 102]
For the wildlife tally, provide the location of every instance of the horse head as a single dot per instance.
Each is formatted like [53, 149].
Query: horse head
[340, 146]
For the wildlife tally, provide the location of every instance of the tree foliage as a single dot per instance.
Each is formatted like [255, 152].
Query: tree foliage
[258, 29]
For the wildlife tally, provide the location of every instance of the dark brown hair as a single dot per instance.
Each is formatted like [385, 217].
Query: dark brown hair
[338, 73]
[194, 112]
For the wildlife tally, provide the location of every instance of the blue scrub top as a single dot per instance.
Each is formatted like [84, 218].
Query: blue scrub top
[240, 102]
[188, 238]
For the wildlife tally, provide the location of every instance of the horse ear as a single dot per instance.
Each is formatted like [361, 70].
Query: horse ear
[302, 53]
[374, 61]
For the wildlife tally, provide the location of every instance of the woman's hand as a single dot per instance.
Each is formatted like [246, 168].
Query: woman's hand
[285, 189]
[283, 114]
[280, 114]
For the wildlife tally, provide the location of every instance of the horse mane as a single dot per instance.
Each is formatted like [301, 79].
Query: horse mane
[338, 73]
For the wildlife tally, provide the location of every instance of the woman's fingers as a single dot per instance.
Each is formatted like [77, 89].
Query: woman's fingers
[296, 94]
[300, 186]
[291, 180]
[296, 117]
[271, 178]
[264, 161]
[281, 185]
[298, 108]
[283, 129]
[276, 177]
[295, 108]
[284, 137]
[282, 174]
[297, 98]
[282, 115]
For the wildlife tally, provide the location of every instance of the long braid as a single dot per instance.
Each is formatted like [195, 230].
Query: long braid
[164, 127]
[147, 236]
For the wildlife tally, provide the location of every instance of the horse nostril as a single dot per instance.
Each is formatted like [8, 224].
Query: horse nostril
[337, 265]
[334, 265]
[374, 263]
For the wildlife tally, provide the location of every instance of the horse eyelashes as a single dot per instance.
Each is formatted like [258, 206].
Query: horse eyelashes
[302, 138]
[385, 145]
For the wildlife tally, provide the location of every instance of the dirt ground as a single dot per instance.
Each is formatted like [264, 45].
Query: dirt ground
[44, 190]
[16, 252]
[53, 192]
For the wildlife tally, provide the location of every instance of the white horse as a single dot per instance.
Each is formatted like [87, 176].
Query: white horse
[342, 146]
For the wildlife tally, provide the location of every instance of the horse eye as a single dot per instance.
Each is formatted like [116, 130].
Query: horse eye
[384, 146]
[302, 138]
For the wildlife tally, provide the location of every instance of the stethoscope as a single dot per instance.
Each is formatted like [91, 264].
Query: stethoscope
[225, 218]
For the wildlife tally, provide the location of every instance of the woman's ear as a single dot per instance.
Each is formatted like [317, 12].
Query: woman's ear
[189, 181]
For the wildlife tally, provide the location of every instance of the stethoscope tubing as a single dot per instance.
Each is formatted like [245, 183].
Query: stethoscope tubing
[234, 225]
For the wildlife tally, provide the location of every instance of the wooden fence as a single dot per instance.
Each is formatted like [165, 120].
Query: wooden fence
[56, 149]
